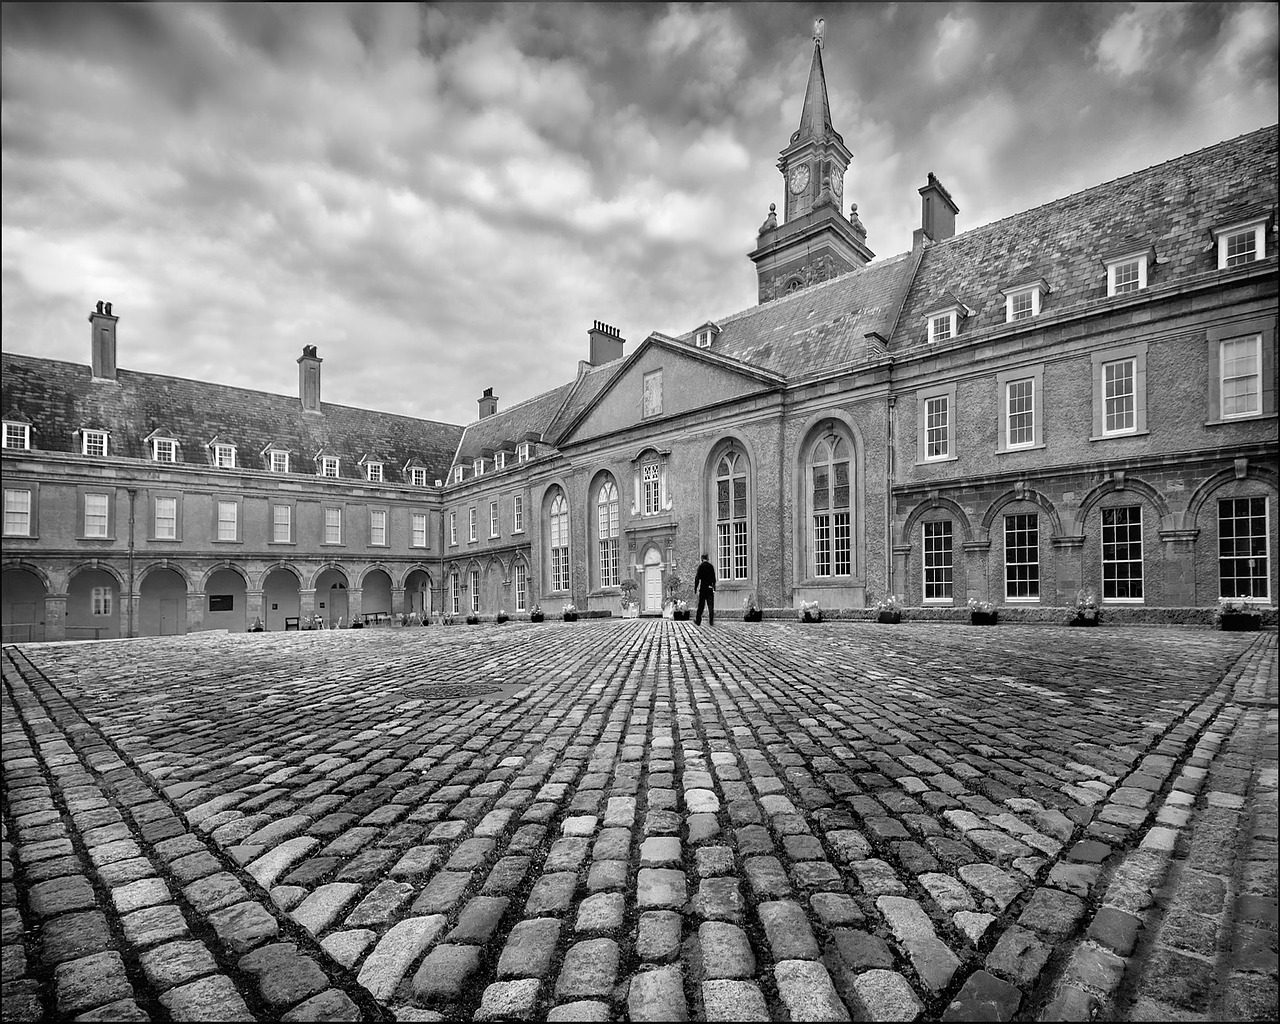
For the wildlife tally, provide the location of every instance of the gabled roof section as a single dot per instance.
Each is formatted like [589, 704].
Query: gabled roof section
[61, 396]
[1171, 206]
[819, 328]
[506, 427]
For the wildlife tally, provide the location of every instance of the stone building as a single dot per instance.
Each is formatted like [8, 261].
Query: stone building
[1080, 395]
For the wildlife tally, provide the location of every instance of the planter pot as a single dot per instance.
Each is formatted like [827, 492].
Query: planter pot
[756, 615]
[632, 611]
[472, 620]
[889, 618]
[501, 619]
[681, 616]
[983, 618]
[1080, 620]
[357, 624]
[570, 616]
[537, 617]
[1236, 622]
[812, 617]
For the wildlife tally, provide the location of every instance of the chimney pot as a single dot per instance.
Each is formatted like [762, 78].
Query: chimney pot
[937, 210]
[309, 379]
[102, 342]
[606, 343]
[488, 403]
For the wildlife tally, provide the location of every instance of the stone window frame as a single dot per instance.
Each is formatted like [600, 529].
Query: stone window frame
[453, 529]
[1099, 361]
[385, 513]
[495, 527]
[324, 526]
[473, 525]
[82, 508]
[1215, 336]
[167, 494]
[413, 529]
[235, 502]
[289, 506]
[517, 513]
[923, 397]
[33, 505]
[1004, 378]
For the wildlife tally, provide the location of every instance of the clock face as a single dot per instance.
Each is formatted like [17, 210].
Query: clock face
[837, 184]
[799, 179]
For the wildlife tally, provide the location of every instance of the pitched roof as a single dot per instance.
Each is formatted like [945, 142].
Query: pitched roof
[61, 398]
[506, 427]
[819, 328]
[1171, 206]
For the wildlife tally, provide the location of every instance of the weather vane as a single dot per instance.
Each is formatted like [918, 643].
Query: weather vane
[819, 27]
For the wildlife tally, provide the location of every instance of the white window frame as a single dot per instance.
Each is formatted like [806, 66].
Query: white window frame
[1256, 340]
[522, 587]
[524, 452]
[559, 546]
[1118, 263]
[831, 525]
[1265, 575]
[281, 525]
[1011, 298]
[101, 518]
[517, 514]
[94, 438]
[453, 529]
[1009, 385]
[224, 456]
[21, 432]
[1033, 585]
[330, 462]
[233, 520]
[931, 561]
[500, 460]
[164, 449]
[477, 467]
[278, 461]
[418, 525]
[17, 512]
[732, 516]
[607, 523]
[473, 585]
[493, 519]
[457, 474]
[650, 488]
[472, 525]
[101, 601]
[418, 476]
[703, 338]
[936, 323]
[1132, 396]
[1224, 235]
[165, 521]
[1108, 537]
[332, 524]
[455, 593]
[373, 472]
[377, 528]
[930, 427]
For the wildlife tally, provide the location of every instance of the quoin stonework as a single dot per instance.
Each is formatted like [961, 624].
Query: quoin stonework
[1082, 395]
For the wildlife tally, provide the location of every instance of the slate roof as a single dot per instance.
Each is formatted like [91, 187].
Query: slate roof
[61, 398]
[1171, 206]
[820, 328]
[506, 427]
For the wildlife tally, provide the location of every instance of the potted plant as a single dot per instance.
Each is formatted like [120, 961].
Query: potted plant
[1086, 608]
[357, 623]
[1235, 615]
[502, 616]
[536, 614]
[982, 613]
[472, 618]
[570, 612]
[630, 610]
[809, 612]
[889, 610]
[256, 627]
[750, 610]
[674, 608]
[681, 611]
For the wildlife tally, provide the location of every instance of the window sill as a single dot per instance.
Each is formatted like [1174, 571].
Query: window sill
[21, 536]
[939, 602]
[1022, 600]
[940, 459]
[164, 540]
[1118, 436]
[100, 540]
[332, 544]
[282, 543]
[1123, 602]
[1253, 417]
[1022, 448]
[517, 531]
[222, 541]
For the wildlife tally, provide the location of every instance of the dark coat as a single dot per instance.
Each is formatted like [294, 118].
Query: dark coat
[705, 578]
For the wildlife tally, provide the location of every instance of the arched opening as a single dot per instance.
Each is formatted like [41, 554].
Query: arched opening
[93, 606]
[226, 601]
[417, 593]
[162, 604]
[280, 600]
[23, 606]
[375, 593]
[331, 598]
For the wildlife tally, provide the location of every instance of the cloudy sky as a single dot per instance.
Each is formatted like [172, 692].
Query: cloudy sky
[443, 198]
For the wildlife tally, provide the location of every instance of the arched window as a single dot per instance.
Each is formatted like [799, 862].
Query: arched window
[559, 543]
[474, 584]
[455, 604]
[830, 511]
[732, 544]
[607, 531]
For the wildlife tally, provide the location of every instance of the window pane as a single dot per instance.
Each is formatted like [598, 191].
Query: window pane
[1122, 553]
[1126, 278]
[226, 520]
[937, 562]
[1021, 406]
[937, 428]
[166, 518]
[822, 545]
[1243, 547]
[1242, 247]
[1118, 384]
[333, 526]
[17, 512]
[1022, 556]
[95, 515]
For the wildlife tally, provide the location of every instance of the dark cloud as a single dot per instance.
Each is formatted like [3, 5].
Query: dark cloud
[444, 197]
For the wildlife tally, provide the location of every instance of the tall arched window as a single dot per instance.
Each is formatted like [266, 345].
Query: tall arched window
[454, 593]
[559, 543]
[607, 531]
[829, 490]
[731, 516]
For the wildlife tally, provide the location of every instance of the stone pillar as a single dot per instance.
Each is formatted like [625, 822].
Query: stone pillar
[131, 623]
[901, 553]
[353, 604]
[397, 603]
[253, 609]
[1069, 562]
[196, 604]
[55, 617]
[977, 564]
[1179, 568]
[306, 603]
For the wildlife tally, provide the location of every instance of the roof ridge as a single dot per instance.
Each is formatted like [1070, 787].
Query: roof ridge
[518, 405]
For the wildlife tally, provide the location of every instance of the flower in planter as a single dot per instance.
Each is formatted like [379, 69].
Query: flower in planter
[982, 613]
[1236, 614]
[750, 610]
[889, 609]
[809, 612]
[1086, 608]
[472, 618]
[535, 614]
[502, 615]
[570, 612]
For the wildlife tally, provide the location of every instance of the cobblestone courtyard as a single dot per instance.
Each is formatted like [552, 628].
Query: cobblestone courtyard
[643, 820]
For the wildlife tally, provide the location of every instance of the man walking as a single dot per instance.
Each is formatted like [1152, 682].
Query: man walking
[704, 583]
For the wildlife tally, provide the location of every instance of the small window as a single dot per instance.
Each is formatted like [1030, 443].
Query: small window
[166, 524]
[94, 442]
[651, 488]
[378, 528]
[329, 466]
[517, 514]
[457, 474]
[224, 456]
[418, 476]
[522, 587]
[1122, 553]
[471, 525]
[333, 526]
[373, 472]
[942, 328]
[279, 462]
[17, 512]
[1244, 541]
[96, 515]
[1240, 365]
[1239, 244]
[453, 527]
[228, 520]
[100, 601]
[477, 467]
[937, 416]
[1022, 305]
[524, 452]
[1020, 412]
[1022, 557]
[493, 519]
[474, 587]
[500, 460]
[937, 562]
[419, 539]
[164, 449]
[1126, 275]
[704, 339]
[17, 435]
[282, 523]
[653, 393]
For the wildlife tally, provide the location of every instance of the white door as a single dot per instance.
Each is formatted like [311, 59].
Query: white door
[652, 582]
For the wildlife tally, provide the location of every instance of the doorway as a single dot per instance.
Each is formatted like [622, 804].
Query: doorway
[652, 582]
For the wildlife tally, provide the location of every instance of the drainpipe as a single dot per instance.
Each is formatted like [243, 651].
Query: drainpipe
[888, 494]
[133, 495]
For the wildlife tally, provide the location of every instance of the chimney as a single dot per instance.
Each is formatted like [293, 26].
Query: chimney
[606, 344]
[309, 379]
[937, 211]
[102, 342]
[488, 403]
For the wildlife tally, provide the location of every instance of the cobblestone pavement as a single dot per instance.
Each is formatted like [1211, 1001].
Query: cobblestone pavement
[644, 820]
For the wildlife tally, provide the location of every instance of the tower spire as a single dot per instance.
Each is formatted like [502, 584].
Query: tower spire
[815, 115]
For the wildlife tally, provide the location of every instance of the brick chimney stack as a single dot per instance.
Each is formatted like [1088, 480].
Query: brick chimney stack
[309, 379]
[102, 342]
[606, 343]
[937, 210]
[488, 403]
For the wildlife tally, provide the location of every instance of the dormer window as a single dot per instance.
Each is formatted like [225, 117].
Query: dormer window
[373, 472]
[94, 442]
[278, 461]
[164, 449]
[1241, 243]
[477, 467]
[706, 334]
[704, 339]
[500, 460]
[1022, 302]
[524, 451]
[1127, 272]
[943, 320]
[224, 456]
[942, 327]
[17, 435]
[329, 465]
[418, 476]
[457, 474]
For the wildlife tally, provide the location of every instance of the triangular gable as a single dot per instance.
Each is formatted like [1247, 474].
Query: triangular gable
[692, 380]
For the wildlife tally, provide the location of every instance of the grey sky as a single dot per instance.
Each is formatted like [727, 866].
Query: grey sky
[444, 198]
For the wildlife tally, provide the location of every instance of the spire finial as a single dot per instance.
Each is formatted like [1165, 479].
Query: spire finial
[819, 30]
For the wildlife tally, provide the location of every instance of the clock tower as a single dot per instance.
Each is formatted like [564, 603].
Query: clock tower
[813, 241]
